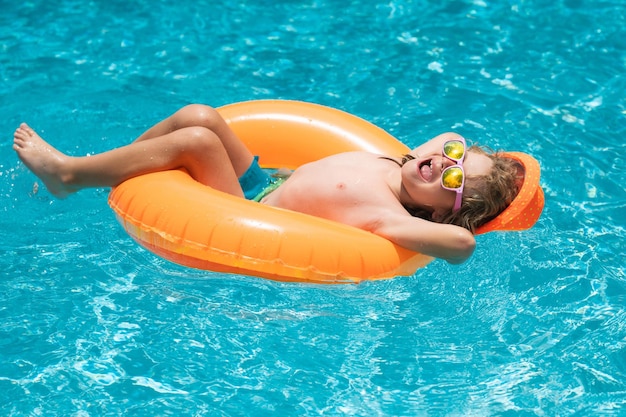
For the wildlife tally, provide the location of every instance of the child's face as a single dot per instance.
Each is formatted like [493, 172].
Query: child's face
[421, 179]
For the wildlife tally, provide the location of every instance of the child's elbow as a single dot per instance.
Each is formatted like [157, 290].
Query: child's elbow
[465, 244]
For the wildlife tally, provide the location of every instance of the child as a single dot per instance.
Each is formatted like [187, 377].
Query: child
[429, 201]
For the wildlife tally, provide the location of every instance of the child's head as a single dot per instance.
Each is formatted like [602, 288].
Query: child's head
[485, 197]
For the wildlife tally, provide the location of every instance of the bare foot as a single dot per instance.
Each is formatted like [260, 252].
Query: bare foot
[42, 159]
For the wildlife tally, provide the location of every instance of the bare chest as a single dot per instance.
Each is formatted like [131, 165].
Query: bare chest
[347, 190]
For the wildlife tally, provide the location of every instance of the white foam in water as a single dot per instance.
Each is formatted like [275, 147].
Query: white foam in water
[533, 324]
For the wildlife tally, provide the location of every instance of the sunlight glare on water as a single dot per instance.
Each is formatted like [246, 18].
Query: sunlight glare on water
[532, 324]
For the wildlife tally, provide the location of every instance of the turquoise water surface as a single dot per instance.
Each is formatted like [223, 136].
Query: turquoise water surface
[533, 324]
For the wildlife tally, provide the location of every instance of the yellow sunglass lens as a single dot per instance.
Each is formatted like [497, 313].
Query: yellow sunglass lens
[452, 178]
[454, 149]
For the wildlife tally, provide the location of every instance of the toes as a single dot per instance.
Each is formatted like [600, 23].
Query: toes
[19, 135]
[18, 143]
[23, 132]
[27, 129]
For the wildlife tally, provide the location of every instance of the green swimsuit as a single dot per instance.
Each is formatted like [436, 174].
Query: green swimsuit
[274, 184]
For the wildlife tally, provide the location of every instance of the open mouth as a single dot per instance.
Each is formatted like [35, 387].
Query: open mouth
[426, 170]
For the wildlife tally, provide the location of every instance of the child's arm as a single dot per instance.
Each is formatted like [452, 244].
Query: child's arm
[451, 243]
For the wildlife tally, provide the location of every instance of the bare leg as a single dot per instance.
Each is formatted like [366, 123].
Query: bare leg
[197, 149]
[207, 117]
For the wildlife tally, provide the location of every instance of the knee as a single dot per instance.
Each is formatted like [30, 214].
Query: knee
[199, 139]
[198, 115]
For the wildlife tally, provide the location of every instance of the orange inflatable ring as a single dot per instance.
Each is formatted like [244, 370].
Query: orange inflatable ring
[525, 209]
[188, 223]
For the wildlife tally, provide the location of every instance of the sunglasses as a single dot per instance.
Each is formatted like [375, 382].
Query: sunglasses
[453, 177]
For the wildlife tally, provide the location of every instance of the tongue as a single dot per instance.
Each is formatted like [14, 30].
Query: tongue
[426, 172]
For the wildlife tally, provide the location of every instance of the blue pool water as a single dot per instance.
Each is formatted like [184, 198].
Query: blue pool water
[533, 324]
